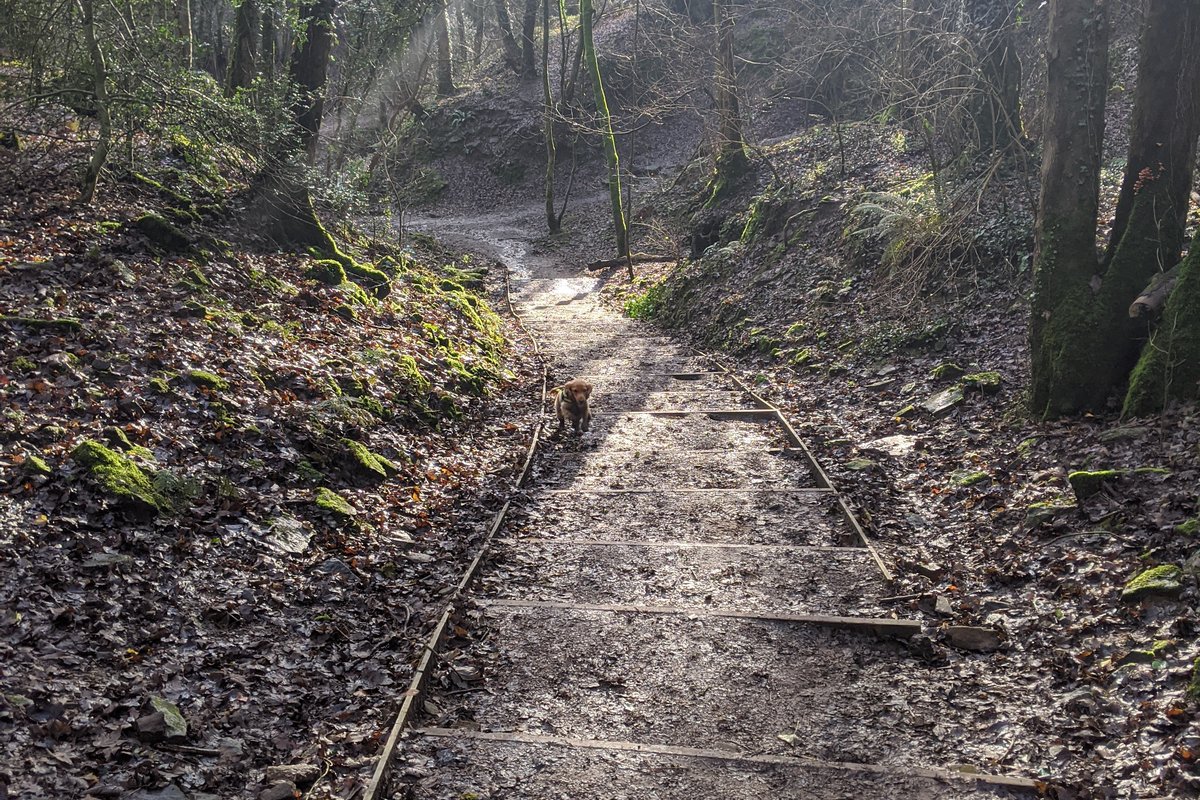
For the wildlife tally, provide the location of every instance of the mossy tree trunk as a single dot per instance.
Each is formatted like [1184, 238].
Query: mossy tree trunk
[731, 161]
[997, 112]
[293, 219]
[1065, 258]
[247, 27]
[512, 52]
[100, 93]
[1162, 142]
[587, 43]
[1169, 367]
[445, 59]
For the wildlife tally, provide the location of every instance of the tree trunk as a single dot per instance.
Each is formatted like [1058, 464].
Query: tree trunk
[100, 92]
[183, 11]
[610, 142]
[445, 63]
[1169, 368]
[247, 27]
[1164, 126]
[548, 116]
[512, 53]
[998, 110]
[1065, 260]
[528, 52]
[310, 68]
[731, 162]
[270, 44]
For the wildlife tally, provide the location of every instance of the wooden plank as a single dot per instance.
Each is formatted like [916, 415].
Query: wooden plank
[898, 628]
[802, 548]
[731, 756]
[774, 489]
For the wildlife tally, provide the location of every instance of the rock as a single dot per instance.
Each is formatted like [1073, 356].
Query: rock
[1124, 432]
[289, 535]
[859, 464]
[118, 476]
[285, 790]
[328, 272]
[947, 371]
[162, 233]
[1164, 580]
[36, 465]
[1039, 513]
[986, 382]
[1087, 483]
[333, 503]
[942, 606]
[362, 463]
[944, 401]
[176, 725]
[968, 479]
[207, 380]
[299, 774]
[968, 637]
[929, 570]
[105, 560]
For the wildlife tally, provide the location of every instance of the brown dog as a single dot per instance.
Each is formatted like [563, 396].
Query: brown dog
[571, 405]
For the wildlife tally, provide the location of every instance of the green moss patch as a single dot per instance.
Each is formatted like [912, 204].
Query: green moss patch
[986, 382]
[36, 465]
[1189, 528]
[365, 464]
[207, 380]
[971, 478]
[947, 372]
[118, 476]
[333, 503]
[1087, 483]
[1164, 580]
[327, 271]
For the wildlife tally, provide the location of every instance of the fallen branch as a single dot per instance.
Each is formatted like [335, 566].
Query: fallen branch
[69, 323]
[636, 258]
[1154, 296]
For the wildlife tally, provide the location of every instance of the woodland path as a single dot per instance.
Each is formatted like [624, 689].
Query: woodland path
[672, 592]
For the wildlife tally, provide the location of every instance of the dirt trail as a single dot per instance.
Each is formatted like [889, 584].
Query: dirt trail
[647, 627]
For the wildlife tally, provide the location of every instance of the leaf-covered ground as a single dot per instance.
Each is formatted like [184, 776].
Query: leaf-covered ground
[283, 481]
[852, 333]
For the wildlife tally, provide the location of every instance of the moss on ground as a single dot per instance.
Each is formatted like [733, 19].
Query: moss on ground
[365, 464]
[1163, 580]
[207, 380]
[1087, 483]
[333, 503]
[118, 476]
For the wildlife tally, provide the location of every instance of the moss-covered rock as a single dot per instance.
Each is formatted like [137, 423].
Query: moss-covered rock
[1164, 580]
[162, 233]
[159, 386]
[118, 476]
[36, 465]
[374, 281]
[1193, 687]
[22, 365]
[361, 462]
[327, 271]
[986, 382]
[968, 479]
[207, 380]
[947, 372]
[333, 503]
[1190, 527]
[117, 438]
[1038, 514]
[346, 312]
[1086, 483]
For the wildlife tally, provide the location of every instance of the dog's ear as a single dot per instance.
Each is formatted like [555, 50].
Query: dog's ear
[587, 390]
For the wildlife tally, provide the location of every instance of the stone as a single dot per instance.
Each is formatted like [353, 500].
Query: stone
[176, 725]
[1124, 432]
[1040, 513]
[986, 382]
[947, 372]
[1087, 483]
[942, 606]
[897, 445]
[969, 637]
[168, 792]
[284, 790]
[944, 401]
[1164, 580]
[299, 774]
[289, 535]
